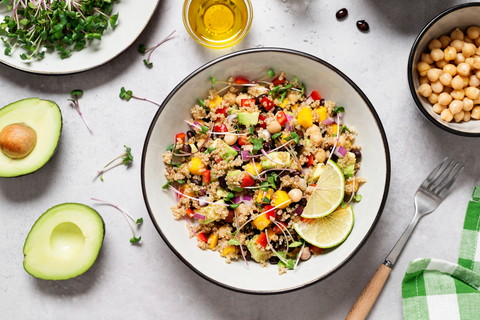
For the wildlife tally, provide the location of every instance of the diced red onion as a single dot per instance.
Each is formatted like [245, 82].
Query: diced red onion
[298, 211]
[203, 191]
[289, 116]
[188, 222]
[242, 198]
[340, 152]
[198, 216]
[309, 100]
[328, 121]
[231, 117]
[245, 155]
[288, 127]
[235, 147]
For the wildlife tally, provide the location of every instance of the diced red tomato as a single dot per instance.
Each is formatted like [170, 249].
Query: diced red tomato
[262, 121]
[222, 111]
[267, 103]
[202, 237]
[248, 103]
[315, 95]
[206, 176]
[262, 240]
[270, 214]
[281, 118]
[277, 81]
[190, 212]
[277, 229]
[310, 160]
[241, 81]
[180, 136]
[247, 181]
[221, 128]
[316, 250]
[242, 140]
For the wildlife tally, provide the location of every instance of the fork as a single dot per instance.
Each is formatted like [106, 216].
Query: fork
[427, 198]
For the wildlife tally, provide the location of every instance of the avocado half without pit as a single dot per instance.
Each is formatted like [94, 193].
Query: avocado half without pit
[64, 242]
[29, 134]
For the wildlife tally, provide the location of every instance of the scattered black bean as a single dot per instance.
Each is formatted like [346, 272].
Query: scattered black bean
[357, 153]
[341, 14]
[190, 134]
[186, 148]
[300, 134]
[362, 25]
[298, 148]
[295, 173]
[203, 149]
[322, 102]
[196, 181]
[268, 145]
[274, 260]
[248, 256]
[302, 202]
[277, 110]
[223, 182]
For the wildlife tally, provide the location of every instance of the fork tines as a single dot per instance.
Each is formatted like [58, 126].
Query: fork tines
[439, 184]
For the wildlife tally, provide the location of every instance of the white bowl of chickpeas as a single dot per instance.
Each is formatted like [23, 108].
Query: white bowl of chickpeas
[444, 70]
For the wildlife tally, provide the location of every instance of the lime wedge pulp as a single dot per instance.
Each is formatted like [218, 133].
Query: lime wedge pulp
[328, 193]
[328, 231]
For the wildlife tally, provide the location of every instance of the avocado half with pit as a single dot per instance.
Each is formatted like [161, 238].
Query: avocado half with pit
[64, 242]
[29, 134]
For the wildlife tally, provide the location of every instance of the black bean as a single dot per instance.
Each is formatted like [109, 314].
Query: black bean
[190, 134]
[268, 145]
[196, 181]
[247, 253]
[277, 110]
[362, 25]
[295, 173]
[260, 97]
[357, 153]
[223, 182]
[300, 133]
[186, 148]
[274, 260]
[298, 148]
[322, 102]
[203, 149]
[302, 202]
[341, 14]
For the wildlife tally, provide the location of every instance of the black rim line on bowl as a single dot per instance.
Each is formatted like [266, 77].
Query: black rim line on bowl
[413, 91]
[43, 73]
[282, 50]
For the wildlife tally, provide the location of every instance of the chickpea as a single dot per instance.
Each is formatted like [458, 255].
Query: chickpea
[321, 156]
[274, 127]
[444, 98]
[450, 53]
[459, 116]
[434, 44]
[466, 116]
[474, 81]
[433, 98]
[450, 69]
[424, 79]
[433, 74]
[342, 141]
[477, 73]
[463, 69]
[467, 40]
[467, 104]
[447, 89]
[230, 139]
[316, 138]
[465, 80]
[311, 130]
[476, 62]
[477, 42]
[426, 57]
[446, 115]
[457, 83]
[437, 54]
[425, 90]
[295, 195]
[470, 61]
[423, 68]
[472, 92]
[445, 40]
[238, 99]
[475, 113]
[473, 32]
[458, 94]
[437, 86]
[441, 63]
[456, 106]
[446, 79]
[457, 34]
[292, 97]
[468, 49]
[478, 51]
[438, 108]
[305, 254]
[457, 44]
[459, 58]
[476, 101]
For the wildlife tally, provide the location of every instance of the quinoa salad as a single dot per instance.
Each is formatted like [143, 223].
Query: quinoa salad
[247, 168]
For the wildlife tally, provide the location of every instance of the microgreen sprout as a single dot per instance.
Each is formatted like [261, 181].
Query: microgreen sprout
[76, 94]
[143, 49]
[212, 80]
[126, 159]
[128, 94]
[271, 73]
[131, 221]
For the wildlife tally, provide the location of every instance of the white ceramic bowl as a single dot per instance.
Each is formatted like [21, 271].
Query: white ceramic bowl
[254, 64]
[462, 17]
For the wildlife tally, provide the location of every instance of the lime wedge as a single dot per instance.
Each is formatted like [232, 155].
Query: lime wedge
[328, 231]
[328, 194]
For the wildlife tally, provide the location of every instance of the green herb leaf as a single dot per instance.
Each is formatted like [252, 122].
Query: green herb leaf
[230, 195]
[181, 181]
[234, 206]
[139, 221]
[204, 129]
[257, 144]
[233, 242]
[128, 158]
[271, 180]
[166, 185]
[358, 197]
[202, 104]
[212, 80]
[76, 92]
[303, 89]
[295, 80]
[271, 73]
[170, 147]
[294, 136]
[178, 165]
[209, 150]
[276, 135]
[295, 244]
[338, 109]
[141, 48]
[343, 205]
[334, 135]
[252, 130]
[135, 240]
[148, 64]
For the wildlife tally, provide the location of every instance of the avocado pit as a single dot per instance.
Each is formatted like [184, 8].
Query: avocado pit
[17, 140]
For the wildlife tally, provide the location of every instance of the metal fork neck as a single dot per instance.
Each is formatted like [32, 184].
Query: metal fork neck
[397, 249]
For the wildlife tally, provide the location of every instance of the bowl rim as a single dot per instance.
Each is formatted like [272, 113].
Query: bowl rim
[292, 52]
[413, 91]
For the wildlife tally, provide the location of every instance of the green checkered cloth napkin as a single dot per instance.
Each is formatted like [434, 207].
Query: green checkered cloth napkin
[436, 289]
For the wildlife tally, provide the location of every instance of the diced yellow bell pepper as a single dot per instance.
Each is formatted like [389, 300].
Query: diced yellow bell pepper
[281, 197]
[271, 234]
[332, 129]
[294, 107]
[284, 103]
[349, 185]
[187, 191]
[262, 195]
[196, 166]
[213, 103]
[322, 113]
[305, 118]
[261, 222]
[250, 168]
[212, 241]
[227, 250]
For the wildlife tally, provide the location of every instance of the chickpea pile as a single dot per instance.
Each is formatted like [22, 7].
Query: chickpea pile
[450, 75]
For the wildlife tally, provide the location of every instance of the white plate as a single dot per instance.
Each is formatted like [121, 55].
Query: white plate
[254, 64]
[132, 20]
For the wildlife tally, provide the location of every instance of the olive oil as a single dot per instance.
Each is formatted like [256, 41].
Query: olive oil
[218, 22]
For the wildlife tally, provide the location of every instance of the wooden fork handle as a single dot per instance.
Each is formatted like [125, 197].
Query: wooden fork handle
[369, 295]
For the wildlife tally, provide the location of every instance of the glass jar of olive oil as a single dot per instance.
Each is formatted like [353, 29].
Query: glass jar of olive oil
[217, 23]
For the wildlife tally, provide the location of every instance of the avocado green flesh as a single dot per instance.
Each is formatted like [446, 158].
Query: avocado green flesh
[42, 116]
[64, 242]
[257, 254]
